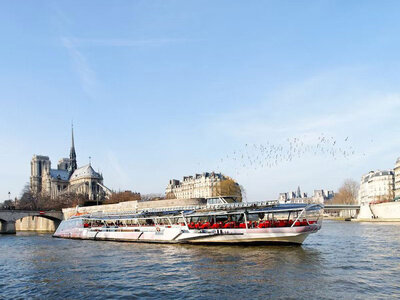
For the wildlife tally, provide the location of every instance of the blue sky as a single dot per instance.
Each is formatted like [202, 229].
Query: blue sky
[163, 89]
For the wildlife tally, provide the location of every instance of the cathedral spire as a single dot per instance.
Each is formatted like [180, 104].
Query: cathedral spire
[72, 154]
[72, 128]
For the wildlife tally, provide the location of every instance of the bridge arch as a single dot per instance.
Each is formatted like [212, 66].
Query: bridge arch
[37, 222]
[7, 226]
[35, 214]
[2, 224]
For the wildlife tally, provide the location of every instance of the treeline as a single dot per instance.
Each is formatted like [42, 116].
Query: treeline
[31, 201]
[122, 197]
[43, 202]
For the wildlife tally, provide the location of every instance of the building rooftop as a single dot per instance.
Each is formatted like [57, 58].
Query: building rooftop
[197, 176]
[59, 174]
[377, 173]
[85, 171]
[40, 156]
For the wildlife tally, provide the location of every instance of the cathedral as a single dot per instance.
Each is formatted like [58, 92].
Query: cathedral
[67, 178]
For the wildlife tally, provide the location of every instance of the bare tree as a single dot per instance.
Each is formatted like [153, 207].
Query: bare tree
[31, 201]
[170, 195]
[65, 200]
[28, 200]
[150, 197]
[347, 193]
[122, 197]
[8, 204]
[229, 188]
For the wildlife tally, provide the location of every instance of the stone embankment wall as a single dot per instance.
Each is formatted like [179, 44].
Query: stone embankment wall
[122, 206]
[388, 210]
[129, 206]
[170, 203]
[33, 223]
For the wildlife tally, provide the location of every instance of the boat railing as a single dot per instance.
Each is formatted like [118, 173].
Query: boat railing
[211, 206]
[190, 208]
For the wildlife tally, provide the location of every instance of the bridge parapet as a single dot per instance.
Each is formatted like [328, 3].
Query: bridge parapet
[341, 207]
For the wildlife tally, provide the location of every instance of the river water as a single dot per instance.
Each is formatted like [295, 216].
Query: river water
[345, 260]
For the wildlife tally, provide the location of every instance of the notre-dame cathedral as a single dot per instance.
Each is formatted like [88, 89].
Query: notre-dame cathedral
[67, 178]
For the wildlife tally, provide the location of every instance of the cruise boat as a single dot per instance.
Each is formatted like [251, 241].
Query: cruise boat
[231, 223]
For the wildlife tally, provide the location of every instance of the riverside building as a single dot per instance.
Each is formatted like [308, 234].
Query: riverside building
[397, 180]
[205, 185]
[377, 186]
[319, 196]
[67, 178]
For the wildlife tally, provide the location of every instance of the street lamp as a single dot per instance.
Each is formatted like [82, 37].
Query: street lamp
[9, 200]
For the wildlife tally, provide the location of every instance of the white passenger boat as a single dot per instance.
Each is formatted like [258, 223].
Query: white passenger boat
[267, 222]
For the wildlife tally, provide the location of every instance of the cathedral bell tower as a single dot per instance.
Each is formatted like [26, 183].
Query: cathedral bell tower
[72, 155]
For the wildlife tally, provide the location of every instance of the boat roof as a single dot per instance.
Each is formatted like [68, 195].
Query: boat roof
[276, 209]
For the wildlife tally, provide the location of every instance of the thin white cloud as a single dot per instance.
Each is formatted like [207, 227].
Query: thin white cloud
[369, 111]
[82, 42]
[121, 176]
[86, 74]
[341, 103]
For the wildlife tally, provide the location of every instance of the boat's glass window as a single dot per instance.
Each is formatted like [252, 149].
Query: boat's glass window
[135, 222]
[199, 219]
[214, 201]
[252, 217]
[280, 216]
[162, 221]
[237, 218]
[69, 224]
[149, 222]
[221, 219]
[177, 220]
[313, 214]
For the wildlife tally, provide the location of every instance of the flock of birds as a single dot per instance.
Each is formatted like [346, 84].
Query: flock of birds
[269, 155]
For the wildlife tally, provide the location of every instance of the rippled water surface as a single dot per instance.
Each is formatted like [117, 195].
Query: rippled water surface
[344, 260]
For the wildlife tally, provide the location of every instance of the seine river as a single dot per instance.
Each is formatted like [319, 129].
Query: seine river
[344, 260]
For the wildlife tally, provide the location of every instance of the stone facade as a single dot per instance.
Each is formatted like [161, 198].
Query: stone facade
[397, 179]
[376, 186]
[67, 178]
[34, 223]
[206, 185]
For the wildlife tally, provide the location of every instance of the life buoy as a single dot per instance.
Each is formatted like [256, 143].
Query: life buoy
[158, 229]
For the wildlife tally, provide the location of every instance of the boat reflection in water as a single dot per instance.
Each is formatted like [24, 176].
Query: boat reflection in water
[233, 223]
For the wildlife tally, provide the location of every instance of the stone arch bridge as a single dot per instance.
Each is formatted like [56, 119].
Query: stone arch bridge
[9, 217]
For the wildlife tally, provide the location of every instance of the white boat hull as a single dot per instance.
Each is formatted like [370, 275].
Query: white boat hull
[294, 235]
